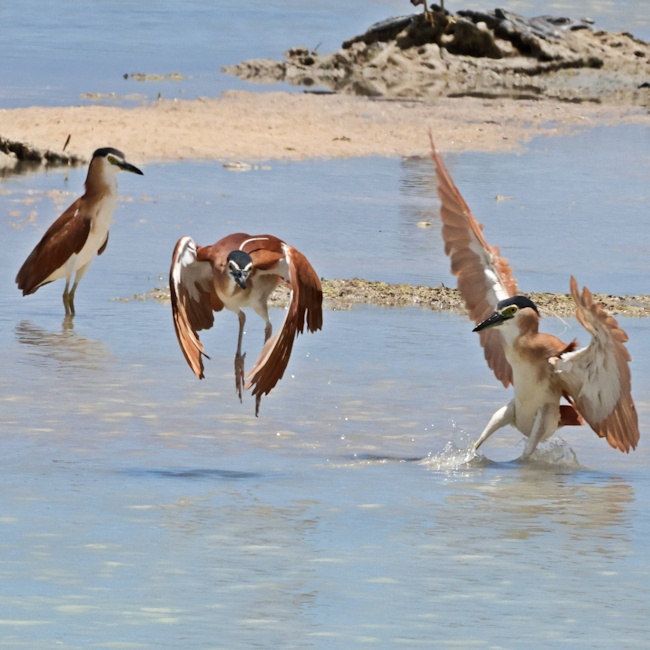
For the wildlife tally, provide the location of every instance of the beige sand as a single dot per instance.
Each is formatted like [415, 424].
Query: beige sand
[250, 126]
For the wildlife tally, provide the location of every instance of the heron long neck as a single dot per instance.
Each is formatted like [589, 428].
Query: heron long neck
[99, 183]
[528, 322]
[524, 325]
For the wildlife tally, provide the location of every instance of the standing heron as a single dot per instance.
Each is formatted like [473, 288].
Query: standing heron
[69, 246]
[595, 380]
[242, 271]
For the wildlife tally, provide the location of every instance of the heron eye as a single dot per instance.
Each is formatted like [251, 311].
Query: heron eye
[112, 160]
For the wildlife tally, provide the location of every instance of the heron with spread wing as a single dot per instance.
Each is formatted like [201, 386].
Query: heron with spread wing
[242, 271]
[594, 380]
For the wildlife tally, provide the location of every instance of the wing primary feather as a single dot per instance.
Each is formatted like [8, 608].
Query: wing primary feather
[598, 376]
[484, 278]
[193, 299]
[305, 308]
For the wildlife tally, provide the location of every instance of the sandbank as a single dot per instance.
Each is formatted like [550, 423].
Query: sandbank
[284, 126]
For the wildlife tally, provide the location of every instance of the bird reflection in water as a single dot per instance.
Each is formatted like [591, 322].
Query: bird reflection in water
[536, 502]
[65, 347]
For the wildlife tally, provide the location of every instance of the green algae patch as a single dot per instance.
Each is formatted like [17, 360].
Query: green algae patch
[342, 294]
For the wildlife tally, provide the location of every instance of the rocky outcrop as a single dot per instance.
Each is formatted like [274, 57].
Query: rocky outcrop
[478, 53]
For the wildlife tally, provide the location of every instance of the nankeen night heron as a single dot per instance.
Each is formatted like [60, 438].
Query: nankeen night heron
[595, 380]
[242, 271]
[69, 246]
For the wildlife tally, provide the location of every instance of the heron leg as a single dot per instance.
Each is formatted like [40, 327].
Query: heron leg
[504, 416]
[66, 299]
[239, 357]
[80, 273]
[546, 424]
[428, 15]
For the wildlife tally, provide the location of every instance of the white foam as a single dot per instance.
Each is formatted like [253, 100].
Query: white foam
[556, 453]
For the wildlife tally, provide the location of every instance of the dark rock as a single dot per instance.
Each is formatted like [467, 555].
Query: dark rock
[26, 152]
[419, 32]
[298, 51]
[384, 31]
[470, 39]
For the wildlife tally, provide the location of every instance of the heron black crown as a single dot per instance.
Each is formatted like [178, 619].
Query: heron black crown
[105, 151]
[520, 301]
[240, 258]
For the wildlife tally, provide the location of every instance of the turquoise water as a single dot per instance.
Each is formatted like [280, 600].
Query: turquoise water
[56, 51]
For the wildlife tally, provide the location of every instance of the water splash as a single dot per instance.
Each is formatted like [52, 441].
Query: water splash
[458, 454]
[555, 454]
[453, 457]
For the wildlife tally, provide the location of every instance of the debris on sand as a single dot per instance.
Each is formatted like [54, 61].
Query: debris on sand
[344, 294]
[141, 76]
[486, 54]
[100, 96]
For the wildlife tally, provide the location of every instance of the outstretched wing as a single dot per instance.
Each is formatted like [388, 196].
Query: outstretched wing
[305, 307]
[598, 376]
[65, 237]
[484, 278]
[193, 301]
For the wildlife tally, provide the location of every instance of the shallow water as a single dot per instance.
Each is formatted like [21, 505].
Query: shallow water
[142, 508]
[55, 52]
[577, 205]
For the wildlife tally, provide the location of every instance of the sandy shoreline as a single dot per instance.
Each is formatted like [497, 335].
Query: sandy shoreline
[248, 126]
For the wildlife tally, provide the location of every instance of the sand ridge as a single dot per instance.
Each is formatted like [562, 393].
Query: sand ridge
[242, 125]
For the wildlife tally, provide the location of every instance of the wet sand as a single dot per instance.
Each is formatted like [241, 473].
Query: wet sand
[248, 126]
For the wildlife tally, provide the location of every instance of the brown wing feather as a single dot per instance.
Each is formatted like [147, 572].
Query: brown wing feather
[471, 259]
[305, 308]
[495, 355]
[265, 250]
[569, 416]
[620, 426]
[264, 243]
[65, 237]
[218, 252]
[265, 260]
[189, 313]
